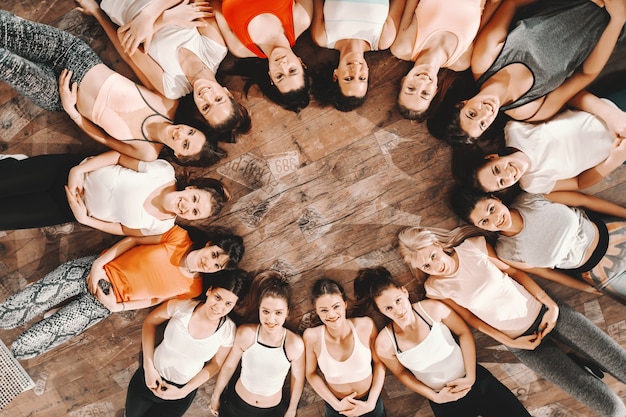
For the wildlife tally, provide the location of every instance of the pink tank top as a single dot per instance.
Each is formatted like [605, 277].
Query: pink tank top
[459, 17]
[239, 13]
[354, 369]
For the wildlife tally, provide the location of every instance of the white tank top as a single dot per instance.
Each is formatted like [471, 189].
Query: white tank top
[436, 360]
[264, 368]
[355, 19]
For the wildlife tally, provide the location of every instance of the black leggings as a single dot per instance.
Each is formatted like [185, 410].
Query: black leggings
[33, 193]
[487, 398]
[141, 401]
[32, 56]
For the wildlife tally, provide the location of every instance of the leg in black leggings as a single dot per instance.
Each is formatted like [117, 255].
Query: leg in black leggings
[33, 193]
[32, 55]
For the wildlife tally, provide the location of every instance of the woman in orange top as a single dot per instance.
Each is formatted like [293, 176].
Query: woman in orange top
[136, 272]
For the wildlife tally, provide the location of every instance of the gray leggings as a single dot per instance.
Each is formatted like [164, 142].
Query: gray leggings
[32, 56]
[66, 281]
[578, 333]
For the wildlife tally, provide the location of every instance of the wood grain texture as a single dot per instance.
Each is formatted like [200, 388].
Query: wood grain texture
[319, 193]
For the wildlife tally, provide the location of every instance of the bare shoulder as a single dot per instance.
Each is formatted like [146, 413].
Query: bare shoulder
[245, 335]
[312, 334]
[436, 309]
[294, 345]
[383, 344]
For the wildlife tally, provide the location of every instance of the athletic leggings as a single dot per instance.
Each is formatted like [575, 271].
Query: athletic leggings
[33, 193]
[32, 56]
[141, 401]
[609, 275]
[578, 333]
[487, 398]
[66, 281]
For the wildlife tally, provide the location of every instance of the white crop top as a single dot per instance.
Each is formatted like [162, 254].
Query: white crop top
[180, 356]
[355, 19]
[486, 291]
[354, 369]
[264, 368]
[437, 359]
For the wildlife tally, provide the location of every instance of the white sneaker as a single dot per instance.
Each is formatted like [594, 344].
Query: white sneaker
[16, 156]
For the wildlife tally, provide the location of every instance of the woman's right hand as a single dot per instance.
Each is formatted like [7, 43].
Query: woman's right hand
[446, 395]
[188, 14]
[214, 407]
[526, 342]
[152, 377]
[88, 7]
[96, 273]
[77, 205]
[68, 94]
[76, 180]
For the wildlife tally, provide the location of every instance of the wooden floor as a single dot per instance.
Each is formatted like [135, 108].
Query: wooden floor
[320, 193]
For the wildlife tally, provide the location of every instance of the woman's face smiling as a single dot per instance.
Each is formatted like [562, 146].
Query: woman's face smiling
[273, 312]
[285, 70]
[331, 309]
[208, 259]
[501, 172]
[184, 140]
[433, 260]
[478, 113]
[418, 88]
[490, 214]
[213, 101]
[394, 303]
[220, 302]
[352, 74]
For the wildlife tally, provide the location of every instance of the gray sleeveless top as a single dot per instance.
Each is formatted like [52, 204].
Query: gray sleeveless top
[553, 42]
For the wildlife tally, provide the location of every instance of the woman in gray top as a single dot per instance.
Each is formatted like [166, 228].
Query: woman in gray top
[543, 233]
[533, 70]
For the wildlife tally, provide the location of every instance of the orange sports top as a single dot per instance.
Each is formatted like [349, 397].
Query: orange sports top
[151, 271]
[239, 13]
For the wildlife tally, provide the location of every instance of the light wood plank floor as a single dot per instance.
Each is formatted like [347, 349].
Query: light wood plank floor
[317, 193]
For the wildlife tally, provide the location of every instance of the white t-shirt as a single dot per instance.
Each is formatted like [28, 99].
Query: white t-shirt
[486, 291]
[560, 148]
[165, 44]
[117, 194]
[180, 356]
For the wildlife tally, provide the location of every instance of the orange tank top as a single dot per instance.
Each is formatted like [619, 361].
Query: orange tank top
[239, 13]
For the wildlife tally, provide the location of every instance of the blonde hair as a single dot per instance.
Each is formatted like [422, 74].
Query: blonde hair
[412, 239]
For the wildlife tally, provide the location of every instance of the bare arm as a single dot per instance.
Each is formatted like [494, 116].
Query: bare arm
[591, 202]
[148, 336]
[392, 24]
[233, 43]
[297, 376]
[402, 46]
[592, 66]
[243, 339]
[554, 275]
[318, 26]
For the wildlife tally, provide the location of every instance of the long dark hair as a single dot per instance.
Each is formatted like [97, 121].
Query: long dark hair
[236, 281]
[327, 91]
[463, 200]
[265, 284]
[219, 193]
[188, 114]
[445, 79]
[369, 284]
[231, 244]
[256, 71]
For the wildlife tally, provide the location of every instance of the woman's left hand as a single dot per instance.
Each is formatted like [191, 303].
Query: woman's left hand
[359, 408]
[548, 321]
[461, 385]
[77, 205]
[69, 95]
[108, 300]
[166, 391]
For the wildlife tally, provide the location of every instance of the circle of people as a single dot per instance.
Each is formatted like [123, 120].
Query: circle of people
[531, 62]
